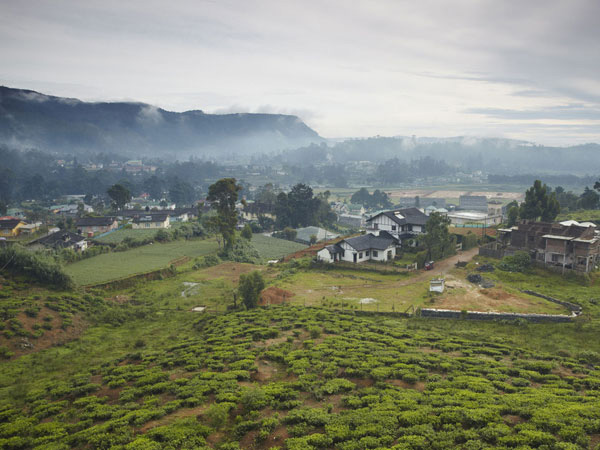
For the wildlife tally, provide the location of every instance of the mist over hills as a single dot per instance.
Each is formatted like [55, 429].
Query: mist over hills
[494, 155]
[29, 119]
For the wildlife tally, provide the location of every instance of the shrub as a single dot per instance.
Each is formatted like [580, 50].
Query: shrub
[18, 260]
[247, 232]
[217, 414]
[242, 251]
[162, 236]
[5, 353]
[207, 261]
[250, 287]
[519, 262]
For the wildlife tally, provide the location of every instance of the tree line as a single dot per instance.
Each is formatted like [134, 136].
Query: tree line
[545, 204]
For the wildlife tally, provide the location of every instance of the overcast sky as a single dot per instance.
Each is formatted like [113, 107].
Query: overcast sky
[520, 69]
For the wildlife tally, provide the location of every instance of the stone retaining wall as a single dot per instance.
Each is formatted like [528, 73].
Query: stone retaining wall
[573, 307]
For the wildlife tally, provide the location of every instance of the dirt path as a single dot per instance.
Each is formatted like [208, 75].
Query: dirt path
[440, 267]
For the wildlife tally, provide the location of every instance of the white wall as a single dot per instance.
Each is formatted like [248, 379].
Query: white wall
[366, 255]
[384, 223]
[324, 255]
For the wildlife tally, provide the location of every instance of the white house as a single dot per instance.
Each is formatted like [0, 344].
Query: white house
[368, 247]
[151, 221]
[401, 224]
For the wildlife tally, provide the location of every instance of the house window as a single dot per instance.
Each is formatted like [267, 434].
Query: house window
[147, 225]
[556, 257]
[367, 253]
[375, 226]
[374, 253]
[393, 227]
[360, 256]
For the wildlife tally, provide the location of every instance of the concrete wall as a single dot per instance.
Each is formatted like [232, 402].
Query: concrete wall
[476, 315]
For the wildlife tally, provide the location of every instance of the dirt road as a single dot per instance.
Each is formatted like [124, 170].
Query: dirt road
[440, 267]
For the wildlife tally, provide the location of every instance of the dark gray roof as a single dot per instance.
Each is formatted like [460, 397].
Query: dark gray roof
[151, 218]
[59, 239]
[333, 249]
[370, 241]
[94, 221]
[9, 224]
[412, 216]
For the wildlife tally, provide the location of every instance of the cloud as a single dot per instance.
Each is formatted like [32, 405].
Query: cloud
[150, 115]
[383, 67]
[575, 112]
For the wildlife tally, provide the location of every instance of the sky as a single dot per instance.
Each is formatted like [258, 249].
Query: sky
[516, 69]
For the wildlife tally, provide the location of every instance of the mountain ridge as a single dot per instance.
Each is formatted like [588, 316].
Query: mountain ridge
[31, 119]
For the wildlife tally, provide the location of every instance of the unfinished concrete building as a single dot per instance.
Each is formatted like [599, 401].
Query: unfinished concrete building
[566, 245]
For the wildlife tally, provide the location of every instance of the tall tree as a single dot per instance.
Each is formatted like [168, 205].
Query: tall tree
[540, 203]
[154, 187]
[224, 195]
[437, 234]
[120, 195]
[512, 210]
[589, 199]
[302, 205]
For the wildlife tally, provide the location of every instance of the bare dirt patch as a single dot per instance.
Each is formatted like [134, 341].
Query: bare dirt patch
[266, 371]
[465, 295]
[120, 298]
[419, 385]
[55, 336]
[277, 438]
[513, 420]
[274, 296]
[179, 414]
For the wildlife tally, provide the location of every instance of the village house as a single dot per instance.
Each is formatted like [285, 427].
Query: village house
[368, 247]
[31, 228]
[402, 224]
[90, 226]
[10, 226]
[59, 240]
[565, 245]
[158, 220]
[473, 203]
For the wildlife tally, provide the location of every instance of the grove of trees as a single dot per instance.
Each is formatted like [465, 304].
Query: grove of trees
[301, 208]
[377, 200]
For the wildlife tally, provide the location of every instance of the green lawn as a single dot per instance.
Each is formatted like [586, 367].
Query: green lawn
[115, 265]
[274, 248]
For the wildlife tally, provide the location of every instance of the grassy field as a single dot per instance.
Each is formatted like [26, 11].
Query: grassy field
[368, 291]
[117, 237]
[274, 248]
[115, 265]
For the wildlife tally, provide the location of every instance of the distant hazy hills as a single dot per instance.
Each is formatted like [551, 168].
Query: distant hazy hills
[34, 120]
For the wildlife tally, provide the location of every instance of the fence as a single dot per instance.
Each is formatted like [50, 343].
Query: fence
[492, 250]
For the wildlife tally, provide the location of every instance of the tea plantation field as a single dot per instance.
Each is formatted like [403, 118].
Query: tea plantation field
[115, 265]
[304, 378]
[274, 248]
